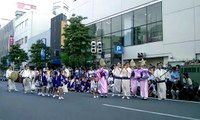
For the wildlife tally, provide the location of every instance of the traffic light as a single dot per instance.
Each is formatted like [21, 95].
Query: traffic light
[93, 47]
[99, 47]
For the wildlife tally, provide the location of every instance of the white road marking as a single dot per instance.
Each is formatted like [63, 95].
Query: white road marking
[150, 112]
[184, 101]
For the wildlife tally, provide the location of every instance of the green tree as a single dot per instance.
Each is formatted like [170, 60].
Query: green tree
[17, 55]
[36, 54]
[77, 43]
[3, 63]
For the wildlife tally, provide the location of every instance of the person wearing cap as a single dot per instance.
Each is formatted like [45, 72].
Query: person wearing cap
[11, 84]
[117, 79]
[126, 74]
[144, 80]
[160, 75]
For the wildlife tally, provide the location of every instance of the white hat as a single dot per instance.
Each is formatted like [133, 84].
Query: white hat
[143, 62]
[132, 63]
[118, 63]
[102, 62]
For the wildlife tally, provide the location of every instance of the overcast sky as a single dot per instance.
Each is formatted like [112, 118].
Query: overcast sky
[8, 7]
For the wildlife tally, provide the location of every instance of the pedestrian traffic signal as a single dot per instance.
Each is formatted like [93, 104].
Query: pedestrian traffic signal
[99, 47]
[93, 47]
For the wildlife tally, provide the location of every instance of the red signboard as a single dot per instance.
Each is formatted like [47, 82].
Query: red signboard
[25, 6]
[11, 42]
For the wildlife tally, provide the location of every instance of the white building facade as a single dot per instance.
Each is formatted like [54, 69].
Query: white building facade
[163, 30]
[29, 25]
[60, 6]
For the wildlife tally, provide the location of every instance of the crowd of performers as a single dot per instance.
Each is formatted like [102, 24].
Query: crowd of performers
[121, 81]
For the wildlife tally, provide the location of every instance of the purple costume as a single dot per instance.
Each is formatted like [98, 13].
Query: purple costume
[135, 75]
[102, 74]
[144, 83]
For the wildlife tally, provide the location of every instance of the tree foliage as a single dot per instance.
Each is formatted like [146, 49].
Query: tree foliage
[35, 55]
[77, 43]
[17, 56]
[3, 63]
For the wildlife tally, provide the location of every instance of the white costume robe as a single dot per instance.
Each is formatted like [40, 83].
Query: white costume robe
[11, 84]
[27, 84]
[161, 85]
[117, 80]
[126, 73]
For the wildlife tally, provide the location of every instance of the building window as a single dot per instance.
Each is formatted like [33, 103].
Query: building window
[106, 42]
[106, 26]
[98, 29]
[116, 24]
[140, 17]
[140, 35]
[127, 20]
[116, 39]
[155, 32]
[92, 30]
[127, 37]
[154, 13]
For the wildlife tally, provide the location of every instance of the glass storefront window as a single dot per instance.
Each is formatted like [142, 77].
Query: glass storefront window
[116, 24]
[154, 12]
[139, 35]
[140, 17]
[98, 28]
[127, 20]
[106, 42]
[127, 37]
[107, 51]
[92, 30]
[133, 28]
[155, 32]
[116, 39]
[117, 58]
[106, 26]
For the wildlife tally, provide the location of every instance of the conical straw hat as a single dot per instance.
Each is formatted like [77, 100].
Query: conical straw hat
[102, 62]
[132, 63]
[142, 62]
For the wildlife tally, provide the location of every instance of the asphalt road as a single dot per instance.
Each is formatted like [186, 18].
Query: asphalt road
[82, 106]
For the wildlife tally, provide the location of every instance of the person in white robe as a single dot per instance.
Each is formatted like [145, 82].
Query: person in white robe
[160, 75]
[11, 83]
[26, 75]
[117, 80]
[126, 74]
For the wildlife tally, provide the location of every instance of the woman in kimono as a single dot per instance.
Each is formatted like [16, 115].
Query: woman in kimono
[135, 75]
[102, 74]
[144, 80]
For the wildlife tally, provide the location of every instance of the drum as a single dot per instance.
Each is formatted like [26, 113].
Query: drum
[14, 75]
